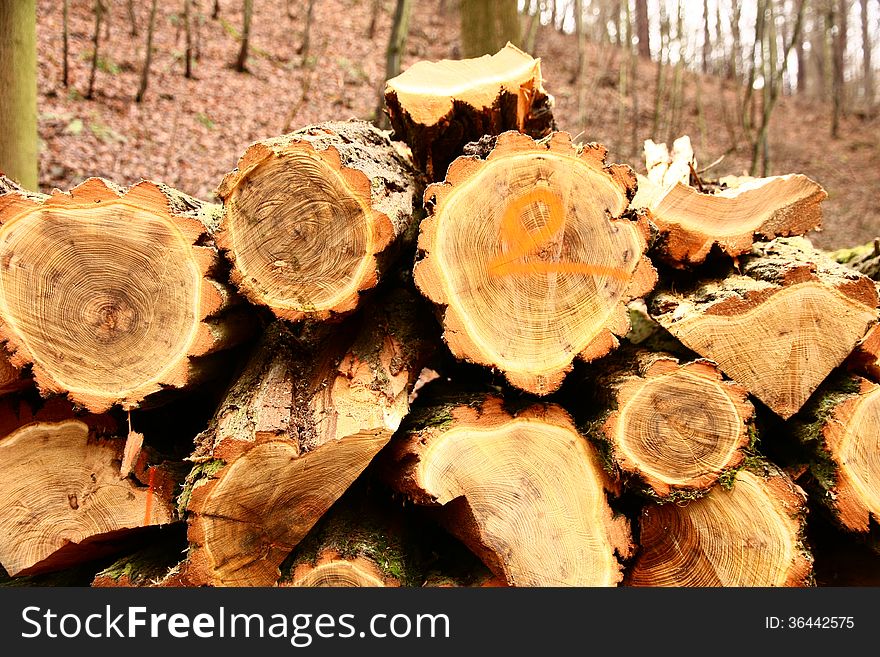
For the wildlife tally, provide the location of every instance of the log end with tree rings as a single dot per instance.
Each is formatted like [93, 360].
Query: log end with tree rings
[533, 258]
[105, 292]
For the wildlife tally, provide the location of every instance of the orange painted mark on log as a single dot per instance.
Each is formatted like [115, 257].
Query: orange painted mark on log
[524, 242]
[149, 510]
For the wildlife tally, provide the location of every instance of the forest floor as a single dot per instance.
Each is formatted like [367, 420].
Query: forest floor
[188, 133]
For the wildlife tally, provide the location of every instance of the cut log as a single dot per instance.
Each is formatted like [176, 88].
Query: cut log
[675, 428]
[109, 293]
[526, 493]
[779, 328]
[841, 425]
[691, 223]
[665, 167]
[438, 107]
[748, 535]
[310, 217]
[297, 428]
[531, 255]
[62, 498]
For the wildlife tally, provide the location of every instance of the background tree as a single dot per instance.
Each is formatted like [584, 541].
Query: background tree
[148, 56]
[643, 28]
[393, 54]
[96, 42]
[867, 67]
[18, 92]
[487, 26]
[241, 61]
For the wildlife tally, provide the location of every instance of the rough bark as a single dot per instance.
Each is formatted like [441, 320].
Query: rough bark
[301, 423]
[532, 256]
[781, 326]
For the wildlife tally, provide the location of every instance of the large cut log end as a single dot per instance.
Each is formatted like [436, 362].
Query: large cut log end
[748, 535]
[105, 292]
[533, 258]
[308, 215]
[677, 428]
[842, 425]
[526, 493]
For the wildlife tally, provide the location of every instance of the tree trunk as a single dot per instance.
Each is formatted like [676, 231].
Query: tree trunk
[748, 534]
[867, 63]
[132, 18]
[305, 44]
[96, 41]
[643, 29]
[126, 271]
[477, 252]
[785, 286]
[241, 60]
[524, 491]
[707, 40]
[393, 54]
[693, 223]
[675, 429]
[304, 419]
[65, 39]
[188, 54]
[437, 120]
[18, 93]
[148, 57]
[375, 8]
[215, 13]
[840, 15]
[487, 26]
[334, 202]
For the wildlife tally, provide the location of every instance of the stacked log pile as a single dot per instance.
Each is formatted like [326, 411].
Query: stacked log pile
[569, 375]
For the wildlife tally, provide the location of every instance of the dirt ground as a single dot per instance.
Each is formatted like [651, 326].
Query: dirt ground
[189, 132]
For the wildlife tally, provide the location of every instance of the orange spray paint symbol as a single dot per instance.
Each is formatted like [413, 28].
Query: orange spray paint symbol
[524, 242]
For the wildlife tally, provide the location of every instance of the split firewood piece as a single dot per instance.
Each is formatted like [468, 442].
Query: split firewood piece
[310, 217]
[691, 222]
[63, 500]
[438, 107]
[298, 427]
[665, 167]
[779, 328]
[531, 255]
[676, 428]
[842, 426]
[525, 492]
[109, 292]
[750, 534]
